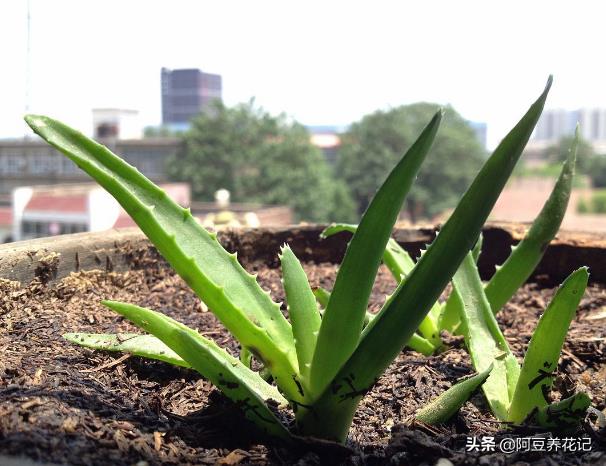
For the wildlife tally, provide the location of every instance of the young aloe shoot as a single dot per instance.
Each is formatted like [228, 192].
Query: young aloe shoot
[516, 393]
[321, 367]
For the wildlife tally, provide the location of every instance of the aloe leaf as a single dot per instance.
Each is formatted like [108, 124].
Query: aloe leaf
[524, 257]
[445, 406]
[421, 345]
[564, 415]
[527, 254]
[541, 360]
[450, 319]
[417, 342]
[246, 357]
[477, 249]
[215, 275]
[322, 295]
[397, 260]
[400, 264]
[450, 316]
[387, 334]
[243, 386]
[146, 346]
[344, 315]
[485, 341]
[302, 309]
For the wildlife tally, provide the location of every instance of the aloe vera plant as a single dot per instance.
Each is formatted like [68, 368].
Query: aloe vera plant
[516, 393]
[320, 366]
[505, 282]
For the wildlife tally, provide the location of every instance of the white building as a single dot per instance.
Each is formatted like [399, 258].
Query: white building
[39, 211]
[116, 123]
[557, 123]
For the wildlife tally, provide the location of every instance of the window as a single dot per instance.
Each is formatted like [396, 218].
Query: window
[42, 164]
[39, 229]
[12, 162]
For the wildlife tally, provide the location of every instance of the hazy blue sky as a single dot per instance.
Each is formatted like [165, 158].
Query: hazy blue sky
[320, 62]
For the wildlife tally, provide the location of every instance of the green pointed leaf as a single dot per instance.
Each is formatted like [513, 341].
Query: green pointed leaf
[448, 403]
[387, 334]
[421, 345]
[541, 360]
[322, 295]
[450, 315]
[146, 346]
[215, 275]
[477, 249]
[484, 340]
[528, 253]
[564, 415]
[450, 318]
[344, 316]
[400, 264]
[397, 260]
[302, 309]
[243, 386]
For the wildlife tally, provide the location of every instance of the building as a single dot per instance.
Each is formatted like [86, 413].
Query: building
[480, 129]
[186, 93]
[557, 123]
[27, 162]
[39, 211]
[31, 162]
[116, 123]
[327, 139]
[6, 218]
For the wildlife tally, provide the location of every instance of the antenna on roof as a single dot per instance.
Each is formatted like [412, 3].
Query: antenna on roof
[28, 70]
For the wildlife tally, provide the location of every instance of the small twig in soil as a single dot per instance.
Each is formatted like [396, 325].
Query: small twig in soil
[491, 421]
[576, 360]
[109, 364]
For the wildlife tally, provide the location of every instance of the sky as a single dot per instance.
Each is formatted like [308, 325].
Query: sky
[322, 63]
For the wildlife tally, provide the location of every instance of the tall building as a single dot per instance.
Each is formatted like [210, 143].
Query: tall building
[186, 93]
[554, 124]
[480, 129]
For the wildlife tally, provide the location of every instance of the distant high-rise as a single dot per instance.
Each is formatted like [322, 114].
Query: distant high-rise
[186, 93]
[480, 129]
[556, 123]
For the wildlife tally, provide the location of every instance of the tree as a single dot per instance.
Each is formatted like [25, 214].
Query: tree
[597, 173]
[259, 158]
[374, 144]
[558, 153]
[159, 132]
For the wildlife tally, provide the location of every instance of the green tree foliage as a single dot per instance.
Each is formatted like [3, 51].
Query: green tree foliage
[259, 158]
[597, 172]
[159, 132]
[558, 153]
[589, 163]
[374, 144]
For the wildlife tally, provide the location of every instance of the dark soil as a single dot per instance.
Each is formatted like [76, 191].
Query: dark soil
[64, 404]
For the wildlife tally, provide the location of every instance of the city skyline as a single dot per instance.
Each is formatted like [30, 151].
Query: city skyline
[321, 64]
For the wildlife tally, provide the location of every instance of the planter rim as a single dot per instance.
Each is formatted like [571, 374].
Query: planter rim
[55, 257]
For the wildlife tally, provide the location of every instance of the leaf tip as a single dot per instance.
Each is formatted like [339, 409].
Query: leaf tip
[35, 121]
[549, 83]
